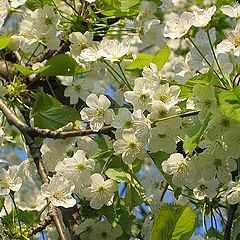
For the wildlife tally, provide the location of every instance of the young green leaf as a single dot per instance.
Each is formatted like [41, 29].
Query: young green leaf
[174, 222]
[62, 65]
[161, 56]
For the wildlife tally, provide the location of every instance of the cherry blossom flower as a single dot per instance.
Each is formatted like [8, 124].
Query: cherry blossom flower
[206, 189]
[231, 11]
[202, 17]
[178, 27]
[100, 192]
[129, 146]
[9, 180]
[232, 42]
[180, 169]
[59, 191]
[98, 111]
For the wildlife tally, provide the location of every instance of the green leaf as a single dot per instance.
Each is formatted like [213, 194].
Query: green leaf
[194, 134]
[26, 71]
[1, 203]
[62, 65]
[56, 117]
[142, 60]
[161, 56]
[236, 229]
[4, 41]
[230, 103]
[120, 8]
[118, 175]
[34, 4]
[48, 112]
[132, 198]
[125, 5]
[174, 222]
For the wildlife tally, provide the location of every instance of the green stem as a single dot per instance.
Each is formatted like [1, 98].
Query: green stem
[124, 76]
[51, 89]
[203, 219]
[214, 55]
[17, 213]
[113, 76]
[182, 115]
[106, 163]
[39, 214]
[33, 53]
[117, 74]
[205, 59]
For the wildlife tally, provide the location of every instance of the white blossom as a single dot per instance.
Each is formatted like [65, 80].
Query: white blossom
[178, 27]
[59, 191]
[9, 180]
[100, 192]
[129, 146]
[98, 111]
[231, 11]
[202, 17]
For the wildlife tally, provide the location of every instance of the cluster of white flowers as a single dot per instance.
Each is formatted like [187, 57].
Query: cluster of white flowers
[147, 112]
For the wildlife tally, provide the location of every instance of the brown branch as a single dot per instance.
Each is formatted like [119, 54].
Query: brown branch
[44, 132]
[231, 212]
[47, 53]
[36, 155]
[163, 189]
[40, 227]
[41, 132]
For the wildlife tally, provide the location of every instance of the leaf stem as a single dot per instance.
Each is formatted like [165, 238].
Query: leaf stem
[17, 213]
[214, 55]
[205, 59]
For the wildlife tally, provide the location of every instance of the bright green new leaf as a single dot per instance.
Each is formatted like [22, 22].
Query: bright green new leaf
[230, 103]
[142, 60]
[161, 56]
[4, 41]
[34, 4]
[62, 65]
[174, 222]
[26, 71]
[118, 175]
[194, 134]
[125, 5]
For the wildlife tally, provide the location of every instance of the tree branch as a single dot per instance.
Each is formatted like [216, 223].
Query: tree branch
[36, 155]
[40, 132]
[40, 227]
[163, 189]
[231, 212]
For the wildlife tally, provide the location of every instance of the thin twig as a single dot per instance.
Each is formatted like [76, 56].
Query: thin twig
[40, 227]
[231, 212]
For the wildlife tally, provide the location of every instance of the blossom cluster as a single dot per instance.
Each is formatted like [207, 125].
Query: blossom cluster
[168, 95]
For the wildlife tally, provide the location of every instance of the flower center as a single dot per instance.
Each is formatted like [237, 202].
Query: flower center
[182, 168]
[80, 167]
[143, 98]
[132, 145]
[100, 112]
[128, 124]
[102, 190]
[58, 194]
[164, 98]
[5, 183]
